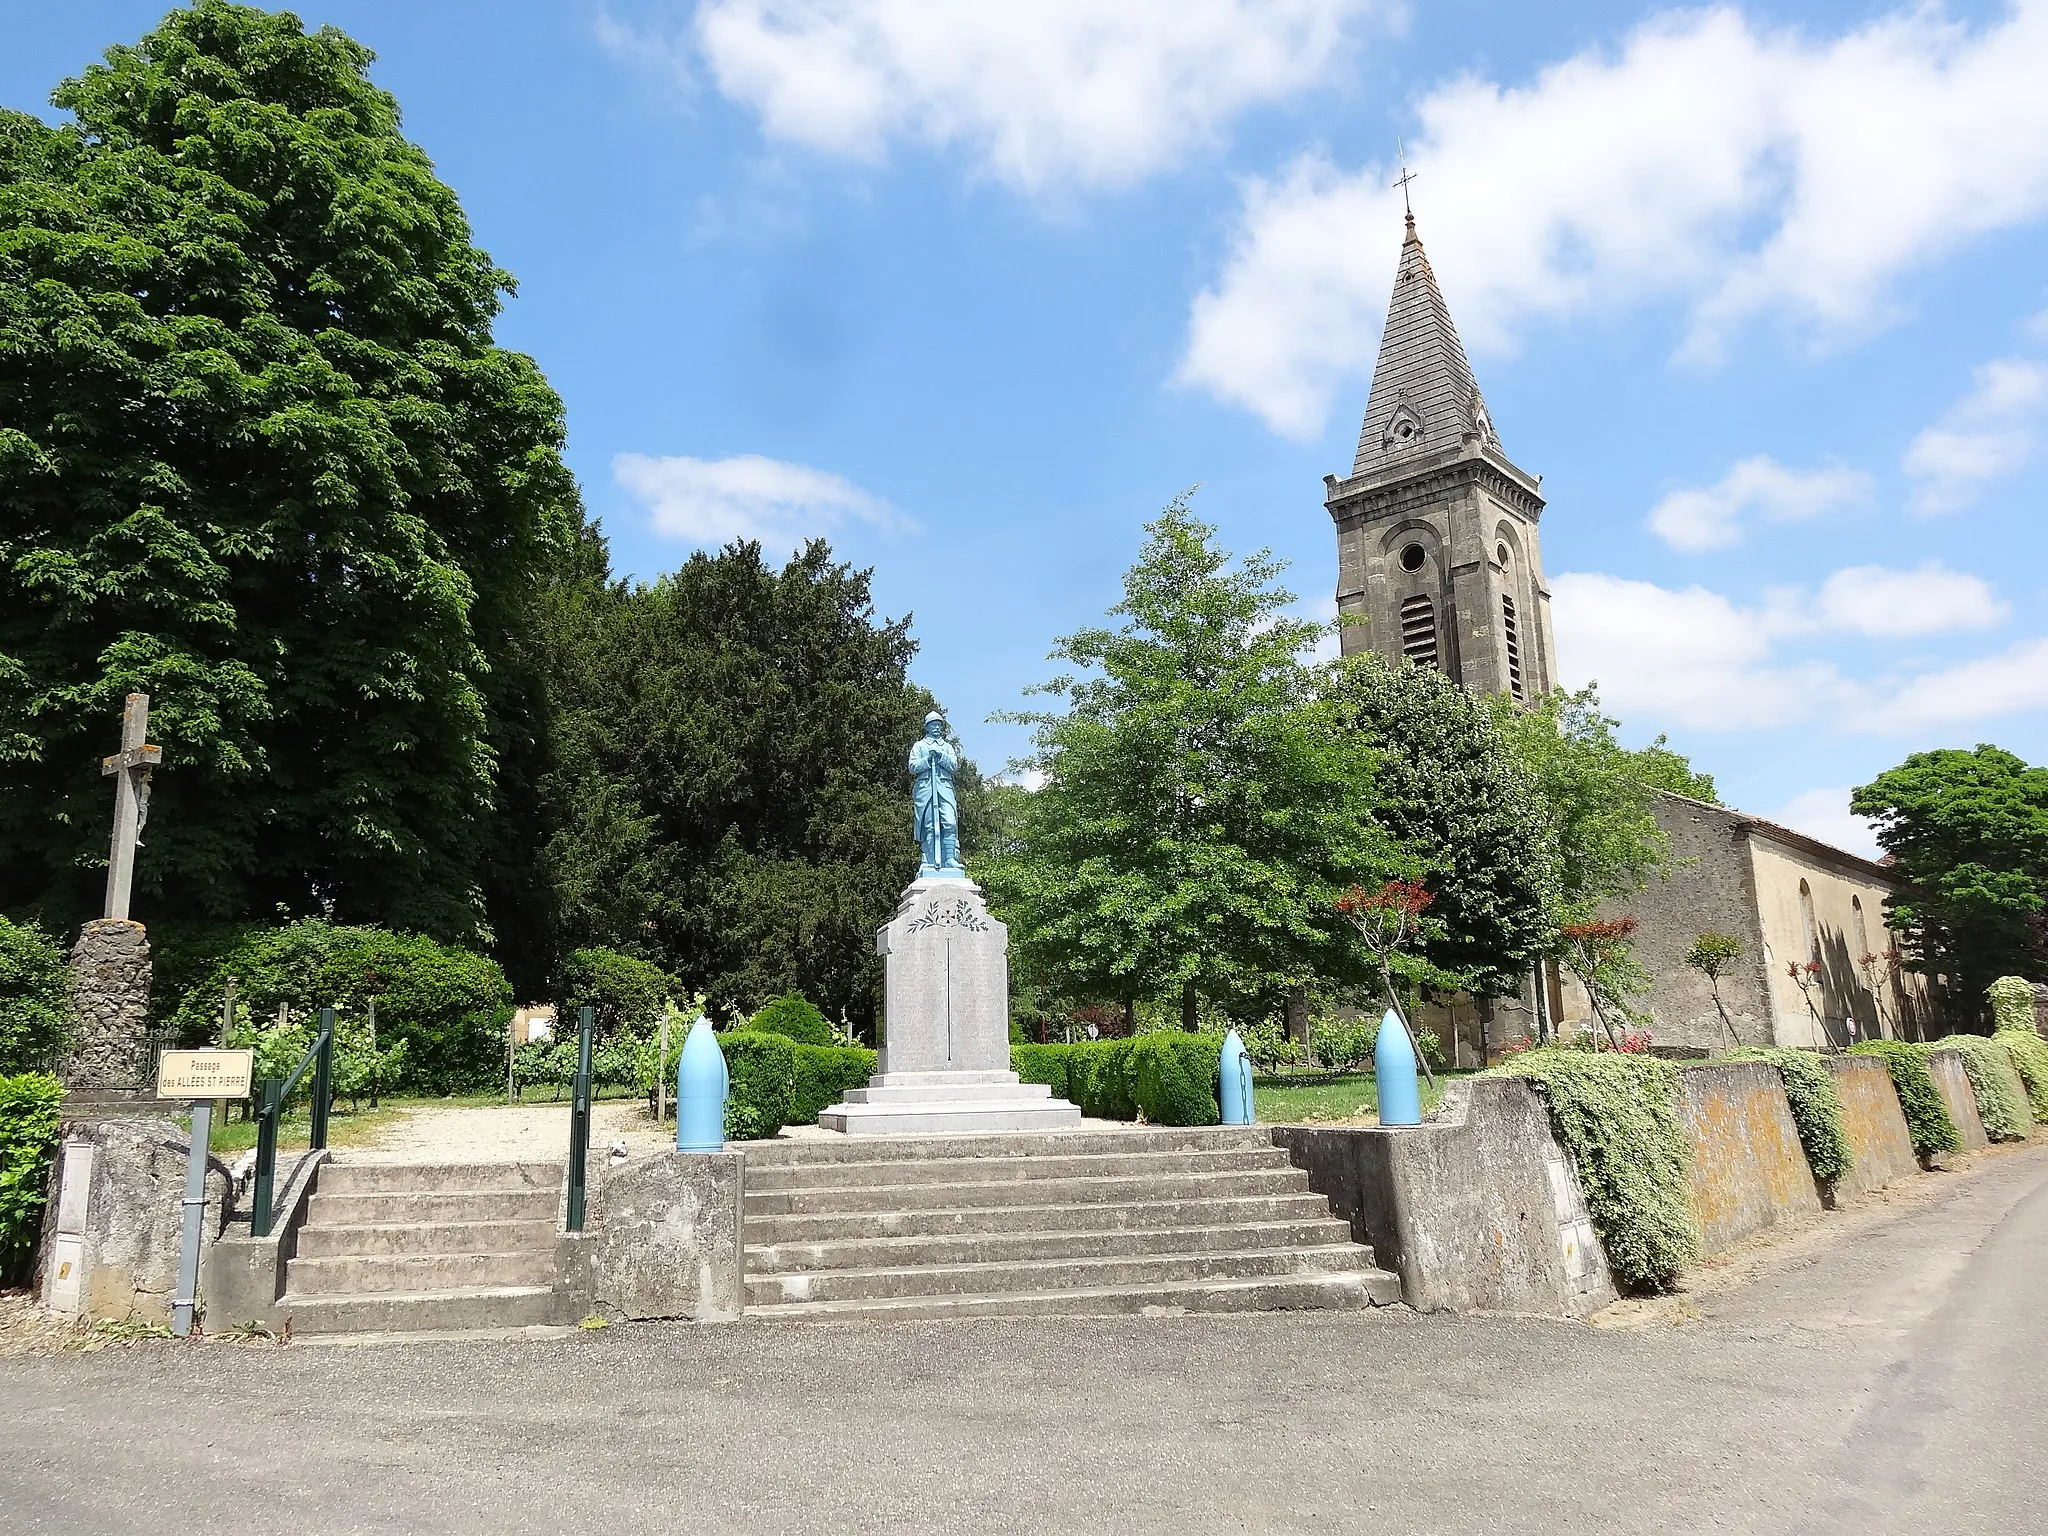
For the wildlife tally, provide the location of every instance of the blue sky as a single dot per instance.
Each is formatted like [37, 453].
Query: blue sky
[1762, 292]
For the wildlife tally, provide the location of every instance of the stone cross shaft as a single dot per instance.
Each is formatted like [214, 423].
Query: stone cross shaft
[130, 771]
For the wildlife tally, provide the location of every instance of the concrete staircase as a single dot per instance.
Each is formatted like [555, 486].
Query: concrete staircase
[1059, 1222]
[426, 1248]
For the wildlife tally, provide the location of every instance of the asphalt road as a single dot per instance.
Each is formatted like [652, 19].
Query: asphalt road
[1891, 1377]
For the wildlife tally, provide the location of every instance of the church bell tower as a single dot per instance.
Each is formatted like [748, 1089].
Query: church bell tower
[1436, 528]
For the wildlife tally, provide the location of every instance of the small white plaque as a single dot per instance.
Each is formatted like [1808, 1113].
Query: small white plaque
[75, 1193]
[67, 1266]
[205, 1074]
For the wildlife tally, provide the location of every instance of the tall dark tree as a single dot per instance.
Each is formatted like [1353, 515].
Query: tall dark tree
[1452, 793]
[1968, 832]
[260, 457]
[728, 796]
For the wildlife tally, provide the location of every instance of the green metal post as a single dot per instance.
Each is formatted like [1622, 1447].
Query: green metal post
[323, 1080]
[579, 1120]
[266, 1157]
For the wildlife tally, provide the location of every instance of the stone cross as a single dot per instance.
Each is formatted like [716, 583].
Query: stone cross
[130, 770]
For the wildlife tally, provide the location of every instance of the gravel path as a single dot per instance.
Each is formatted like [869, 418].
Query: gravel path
[508, 1133]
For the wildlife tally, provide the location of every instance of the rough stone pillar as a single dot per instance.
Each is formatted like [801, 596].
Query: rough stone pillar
[110, 972]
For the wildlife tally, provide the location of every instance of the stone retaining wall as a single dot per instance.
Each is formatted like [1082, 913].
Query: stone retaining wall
[1478, 1209]
[1952, 1079]
[1879, 1138]
[1748, 1172]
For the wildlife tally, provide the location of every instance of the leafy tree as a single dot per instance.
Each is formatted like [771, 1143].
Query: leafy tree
[1600, 955]
[1597, 798]
[622, 992]
[1714, 955]
[725, 795]
[1968, 834]
[34, 1022]
[1203, 806]
[260, 457]
[1453, 794]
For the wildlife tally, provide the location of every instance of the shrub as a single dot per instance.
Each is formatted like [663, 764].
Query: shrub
[28, 1144]
[762, 1067]
[1173, 1077]
[1337, 1045]
[1927, 1117]
[2012, 1004]
[1099, 1081]
[1043, 1064]
[796, 1018]
[34, 1018]
[1816, 1107]
[1618, 1117]
[1992, 1083]
[449, 1006]
[2029, 1054]
[822, 1075]
[621, 991]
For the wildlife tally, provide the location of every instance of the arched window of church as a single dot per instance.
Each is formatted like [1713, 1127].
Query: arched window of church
[1513, 641]
[1418, 630]
[1806, 917]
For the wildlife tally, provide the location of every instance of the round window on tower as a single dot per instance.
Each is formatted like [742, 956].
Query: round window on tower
[1501, 554]
[1412, 558]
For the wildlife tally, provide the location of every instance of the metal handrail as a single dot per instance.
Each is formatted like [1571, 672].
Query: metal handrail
[579, 1120]
[273, 1096]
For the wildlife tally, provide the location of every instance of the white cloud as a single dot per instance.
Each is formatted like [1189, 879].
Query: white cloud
[1825, 814]
[1712, 516]
[714, 501]
[1871, 600]
[1733, 168]
[2012, 681]
[1693, 657]
[1044, 95]
[1990, 432]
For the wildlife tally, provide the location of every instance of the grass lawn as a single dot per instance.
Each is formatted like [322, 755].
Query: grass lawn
[1350, 1100]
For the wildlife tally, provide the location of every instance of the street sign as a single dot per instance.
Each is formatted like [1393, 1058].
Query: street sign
[205, 1074]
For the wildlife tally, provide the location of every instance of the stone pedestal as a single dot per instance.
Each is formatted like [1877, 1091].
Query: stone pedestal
[111, 1050]
[946, 1045]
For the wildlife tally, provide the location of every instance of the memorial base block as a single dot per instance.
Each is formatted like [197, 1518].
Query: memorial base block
[946, 1021]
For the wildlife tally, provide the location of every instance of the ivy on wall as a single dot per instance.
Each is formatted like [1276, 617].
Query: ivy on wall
[1927, 1117]
[2028, 1053]
[1618, 1117]
[1992, 1083]
[1816, 1107]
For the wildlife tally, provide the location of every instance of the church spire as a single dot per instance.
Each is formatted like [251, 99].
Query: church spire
[1424, 400]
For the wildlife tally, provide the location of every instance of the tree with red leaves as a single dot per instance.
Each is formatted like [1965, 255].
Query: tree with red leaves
[1390, 922]
[1599, 954]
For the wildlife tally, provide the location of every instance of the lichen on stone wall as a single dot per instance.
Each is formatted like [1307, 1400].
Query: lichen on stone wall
[111, 1043]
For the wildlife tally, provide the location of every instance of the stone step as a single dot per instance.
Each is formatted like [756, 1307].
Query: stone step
[346, 1178]
[1139, 1188]
[1001, 1247]
[836, 1225]
[448, 1205]
[1033, 1277]
[977, 1170]
[316, 1242]
[950, 1115]
[464, 1309]
[947, 1093]
[816, 1151]
[378, 1273]
[1350, 1290]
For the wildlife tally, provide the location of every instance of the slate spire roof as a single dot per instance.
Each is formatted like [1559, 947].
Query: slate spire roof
[1424, 399]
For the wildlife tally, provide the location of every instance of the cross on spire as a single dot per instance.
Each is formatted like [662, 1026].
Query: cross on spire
[1402, 180]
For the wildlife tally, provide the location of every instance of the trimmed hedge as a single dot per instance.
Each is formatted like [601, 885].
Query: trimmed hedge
[823, 1073]
[1927, 1117]
[1816, 1107]
[1989, 1069]
[2029, 1053]
[1168, 1076]
[28, 1145]
[1618, 1117]
[762, 1067]
[795, 1017]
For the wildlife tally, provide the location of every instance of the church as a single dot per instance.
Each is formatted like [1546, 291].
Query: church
[1439, 563]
